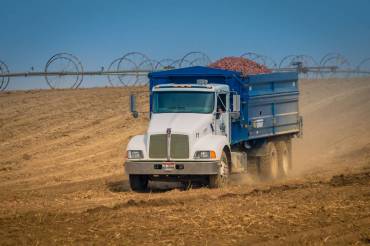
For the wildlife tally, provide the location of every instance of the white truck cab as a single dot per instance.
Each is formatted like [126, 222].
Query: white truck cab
[188, 134]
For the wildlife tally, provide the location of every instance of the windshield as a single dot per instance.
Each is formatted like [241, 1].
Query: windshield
[183, 102]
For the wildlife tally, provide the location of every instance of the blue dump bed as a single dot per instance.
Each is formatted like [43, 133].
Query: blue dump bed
[269, 102]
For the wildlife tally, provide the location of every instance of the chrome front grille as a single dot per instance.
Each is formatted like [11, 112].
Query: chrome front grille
[158, 146]
[179, 146]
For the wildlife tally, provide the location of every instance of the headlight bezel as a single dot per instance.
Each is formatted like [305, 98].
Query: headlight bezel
[205, 154]
[135, 154]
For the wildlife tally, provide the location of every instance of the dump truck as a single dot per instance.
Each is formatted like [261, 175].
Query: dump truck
[206, 124]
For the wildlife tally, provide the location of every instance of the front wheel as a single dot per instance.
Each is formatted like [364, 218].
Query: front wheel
[138, 183]
[222, 178]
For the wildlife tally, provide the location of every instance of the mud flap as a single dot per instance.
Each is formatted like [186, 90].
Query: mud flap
[239, 162]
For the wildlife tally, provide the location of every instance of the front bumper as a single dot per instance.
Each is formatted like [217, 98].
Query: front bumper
[181, 168]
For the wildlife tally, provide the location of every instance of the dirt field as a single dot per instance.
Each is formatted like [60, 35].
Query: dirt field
[62, 180]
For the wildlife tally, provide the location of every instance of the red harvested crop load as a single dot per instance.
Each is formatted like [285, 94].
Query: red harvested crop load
[240, 64]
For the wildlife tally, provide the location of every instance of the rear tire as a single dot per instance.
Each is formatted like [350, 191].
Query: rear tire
[268, 163]
[138, 183]
[284, 158]
[222, 178]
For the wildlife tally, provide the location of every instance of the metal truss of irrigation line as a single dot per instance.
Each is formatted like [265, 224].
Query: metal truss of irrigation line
[64, 70]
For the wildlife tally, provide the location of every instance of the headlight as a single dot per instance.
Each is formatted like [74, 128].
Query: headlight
[135, 154]
[209, 154]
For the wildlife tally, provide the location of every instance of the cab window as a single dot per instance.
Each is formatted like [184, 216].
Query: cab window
[221, 102]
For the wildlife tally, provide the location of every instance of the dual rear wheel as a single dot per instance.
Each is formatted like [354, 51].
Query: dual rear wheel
[276, 161]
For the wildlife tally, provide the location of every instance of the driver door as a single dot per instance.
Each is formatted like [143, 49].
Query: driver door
[222, 116]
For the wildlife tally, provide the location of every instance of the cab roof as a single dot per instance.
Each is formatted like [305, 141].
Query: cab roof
[192, 87]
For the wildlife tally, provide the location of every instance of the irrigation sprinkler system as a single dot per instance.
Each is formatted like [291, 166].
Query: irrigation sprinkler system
[65, 70]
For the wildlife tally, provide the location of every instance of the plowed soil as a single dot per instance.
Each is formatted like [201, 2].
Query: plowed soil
[62, 179]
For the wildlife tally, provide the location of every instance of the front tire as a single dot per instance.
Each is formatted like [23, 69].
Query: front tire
[222, 178]
[138, 183]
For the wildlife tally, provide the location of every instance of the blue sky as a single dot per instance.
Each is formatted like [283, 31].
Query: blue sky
[99, 31]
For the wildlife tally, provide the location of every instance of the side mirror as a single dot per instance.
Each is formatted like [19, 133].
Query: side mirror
[133, 110]
[235, 114]
[236, 103]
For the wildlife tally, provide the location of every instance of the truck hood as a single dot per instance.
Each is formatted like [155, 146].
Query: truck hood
[185, 123]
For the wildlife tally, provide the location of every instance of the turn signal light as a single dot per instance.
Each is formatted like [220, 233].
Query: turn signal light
[208, 154]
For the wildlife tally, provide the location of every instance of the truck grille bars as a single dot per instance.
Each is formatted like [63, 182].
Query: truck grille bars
[176, 145]
[168, 144]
